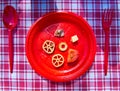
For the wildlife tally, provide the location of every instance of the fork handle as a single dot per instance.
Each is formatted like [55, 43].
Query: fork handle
[106, 52]
[11, 50]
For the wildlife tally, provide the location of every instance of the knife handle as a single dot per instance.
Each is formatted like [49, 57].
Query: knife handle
[11, 50]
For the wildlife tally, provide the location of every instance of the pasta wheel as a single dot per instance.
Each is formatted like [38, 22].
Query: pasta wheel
[48, 46]
[57, 60]
[63, 46]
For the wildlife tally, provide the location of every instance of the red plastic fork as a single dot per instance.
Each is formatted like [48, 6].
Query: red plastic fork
[106, 23]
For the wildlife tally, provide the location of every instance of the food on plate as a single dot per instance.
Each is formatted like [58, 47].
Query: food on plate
[74, 38]
[72, 55]
[59, 33]
[48, 46]
[63, 46]
[57, 60]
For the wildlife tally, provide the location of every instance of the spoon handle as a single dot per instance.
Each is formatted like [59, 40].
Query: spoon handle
[11, 50]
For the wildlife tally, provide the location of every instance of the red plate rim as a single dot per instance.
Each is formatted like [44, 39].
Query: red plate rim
[70, 76]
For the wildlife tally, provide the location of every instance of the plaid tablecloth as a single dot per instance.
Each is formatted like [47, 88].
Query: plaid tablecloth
[24, 78]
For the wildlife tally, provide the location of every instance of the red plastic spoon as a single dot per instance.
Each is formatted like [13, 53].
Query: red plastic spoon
[10, 19]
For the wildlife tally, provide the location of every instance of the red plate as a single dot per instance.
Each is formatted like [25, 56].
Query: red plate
[43, 29]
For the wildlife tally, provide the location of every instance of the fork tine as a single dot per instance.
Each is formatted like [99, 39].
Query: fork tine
[103, 15]
[111, 16]
[107, 15]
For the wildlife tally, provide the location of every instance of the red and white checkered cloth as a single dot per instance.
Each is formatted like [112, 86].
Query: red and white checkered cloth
[25, 79]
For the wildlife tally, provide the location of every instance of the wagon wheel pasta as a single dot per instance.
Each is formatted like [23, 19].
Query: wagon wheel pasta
[57, 60]
[48, 46]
